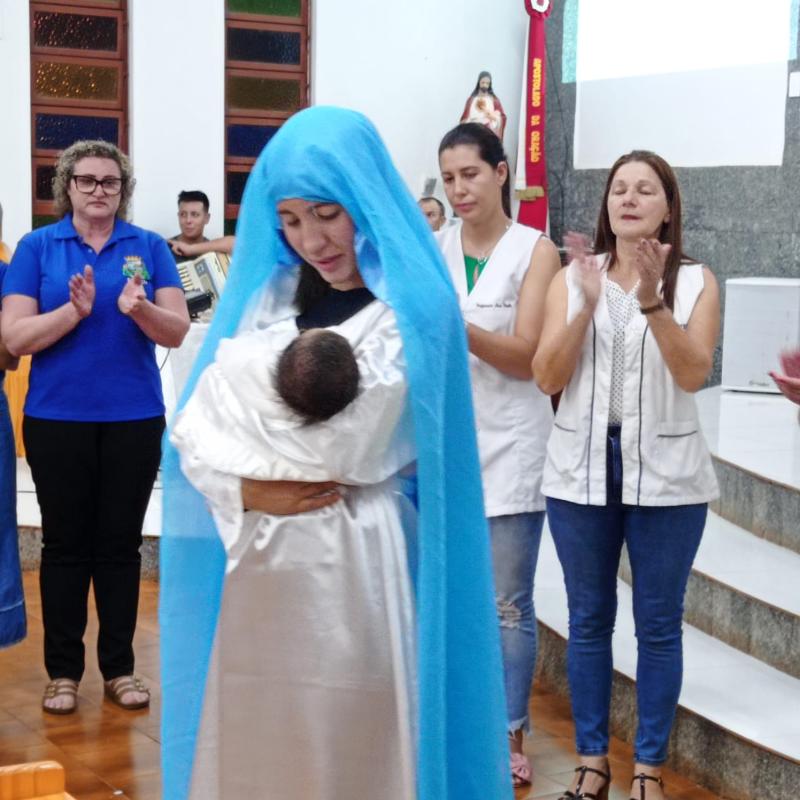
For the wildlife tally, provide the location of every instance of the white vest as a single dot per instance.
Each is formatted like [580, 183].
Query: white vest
[665, 461]
[513, 418]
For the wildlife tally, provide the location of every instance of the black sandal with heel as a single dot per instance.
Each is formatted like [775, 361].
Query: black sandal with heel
[600, 794]
[641, 777]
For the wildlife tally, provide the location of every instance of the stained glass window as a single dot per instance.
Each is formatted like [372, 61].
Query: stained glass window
[247, 141]
[40, 220]
[75, 81]
[265, 46]
[236, 182]
[44, 182]
[74, 31]
[267, 94]
[57, 131]
[274, 8]
[266, 81]
[79, 56]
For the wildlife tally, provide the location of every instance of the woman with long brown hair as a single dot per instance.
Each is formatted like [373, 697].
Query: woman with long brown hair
[501, 271]
[629, 336]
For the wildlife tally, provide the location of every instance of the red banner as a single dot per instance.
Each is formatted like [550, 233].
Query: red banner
[533, 199]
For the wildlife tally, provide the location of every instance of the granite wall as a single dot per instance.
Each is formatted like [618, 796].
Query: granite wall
[741, 221]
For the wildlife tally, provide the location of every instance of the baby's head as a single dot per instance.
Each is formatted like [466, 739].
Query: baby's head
[317, 374]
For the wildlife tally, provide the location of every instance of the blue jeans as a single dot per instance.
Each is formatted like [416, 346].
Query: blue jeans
[515, 547]
[12, 603]
[662, 543]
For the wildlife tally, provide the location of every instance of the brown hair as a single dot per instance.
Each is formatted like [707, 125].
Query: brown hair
[91, 148]
[490, 150]
[671, 233]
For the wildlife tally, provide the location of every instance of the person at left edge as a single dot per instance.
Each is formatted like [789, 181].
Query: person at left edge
[90, 296]
[13, 625]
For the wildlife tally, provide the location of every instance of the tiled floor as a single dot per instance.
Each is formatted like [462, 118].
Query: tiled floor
[106, 752]
[110, 754]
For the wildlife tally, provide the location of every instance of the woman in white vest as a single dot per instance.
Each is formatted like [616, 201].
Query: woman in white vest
[629, 336]
[501, 271]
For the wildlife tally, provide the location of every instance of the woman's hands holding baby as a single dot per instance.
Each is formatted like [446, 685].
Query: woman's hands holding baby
[288, 497]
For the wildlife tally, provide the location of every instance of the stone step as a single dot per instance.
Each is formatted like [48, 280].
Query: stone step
[755, 443]
[737, 730]
[744, 591]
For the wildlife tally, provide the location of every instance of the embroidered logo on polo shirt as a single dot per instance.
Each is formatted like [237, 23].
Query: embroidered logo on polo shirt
[134, 265]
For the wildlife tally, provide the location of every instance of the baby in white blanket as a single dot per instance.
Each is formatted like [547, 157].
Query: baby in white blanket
[236, 424]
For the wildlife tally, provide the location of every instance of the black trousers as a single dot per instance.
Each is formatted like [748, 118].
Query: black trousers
[93, 482]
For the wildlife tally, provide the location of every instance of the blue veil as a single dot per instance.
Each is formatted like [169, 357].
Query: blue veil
[336, 155]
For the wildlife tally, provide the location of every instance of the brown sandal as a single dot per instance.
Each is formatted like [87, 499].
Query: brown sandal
[117, 688]
[60, 687]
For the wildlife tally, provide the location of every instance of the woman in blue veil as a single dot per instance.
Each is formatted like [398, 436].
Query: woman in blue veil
[335, 156]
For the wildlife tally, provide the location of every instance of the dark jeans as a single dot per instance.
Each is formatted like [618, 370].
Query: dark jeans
[93, 482]
[662, 542]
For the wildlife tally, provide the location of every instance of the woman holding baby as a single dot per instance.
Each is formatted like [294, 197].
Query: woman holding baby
[350, 652]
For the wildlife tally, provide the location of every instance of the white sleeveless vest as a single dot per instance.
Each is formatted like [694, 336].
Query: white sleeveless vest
[665, 460]
[513, 418]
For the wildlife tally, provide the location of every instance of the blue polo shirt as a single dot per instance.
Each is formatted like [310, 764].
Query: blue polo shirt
[104, 370]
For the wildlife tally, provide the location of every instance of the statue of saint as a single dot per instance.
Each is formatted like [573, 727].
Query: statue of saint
[483, 106]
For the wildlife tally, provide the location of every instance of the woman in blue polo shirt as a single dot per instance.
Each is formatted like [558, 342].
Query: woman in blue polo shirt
[90, 296]
[12, 603]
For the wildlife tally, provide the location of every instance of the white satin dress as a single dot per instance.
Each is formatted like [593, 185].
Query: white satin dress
[311, 691]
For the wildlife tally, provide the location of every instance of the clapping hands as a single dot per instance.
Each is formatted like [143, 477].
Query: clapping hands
[82, 291]
[651, 261]
[789, 381]
[589, 271]
[132, 296]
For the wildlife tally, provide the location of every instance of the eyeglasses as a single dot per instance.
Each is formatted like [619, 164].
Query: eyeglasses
[88, 183]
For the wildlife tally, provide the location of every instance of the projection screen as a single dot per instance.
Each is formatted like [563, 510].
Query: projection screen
[702, 82]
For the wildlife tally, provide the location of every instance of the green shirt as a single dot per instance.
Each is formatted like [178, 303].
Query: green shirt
[474, 268]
